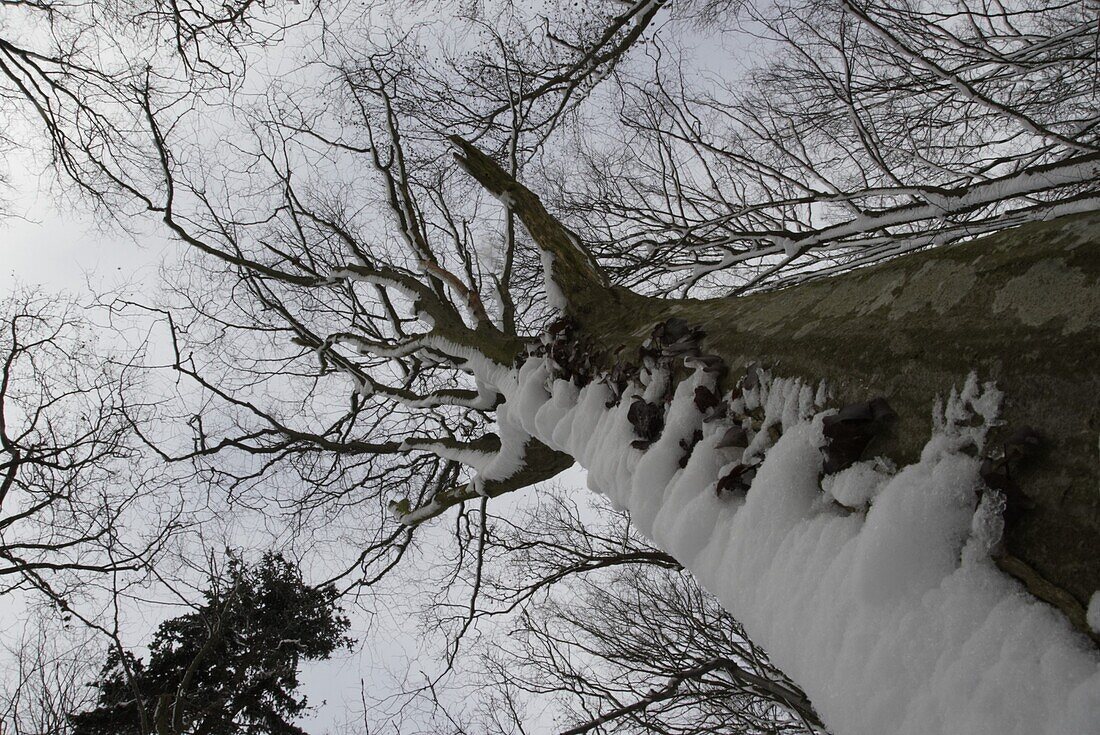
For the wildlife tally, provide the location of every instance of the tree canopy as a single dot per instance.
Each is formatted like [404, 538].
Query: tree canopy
[229, 667]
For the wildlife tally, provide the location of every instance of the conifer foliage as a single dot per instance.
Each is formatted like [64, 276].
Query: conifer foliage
[228, 668]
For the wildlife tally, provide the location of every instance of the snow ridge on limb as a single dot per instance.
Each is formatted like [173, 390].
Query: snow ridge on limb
[539, 463]
[891, 615]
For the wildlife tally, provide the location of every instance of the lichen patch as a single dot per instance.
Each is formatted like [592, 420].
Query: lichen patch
[1050, 289]
[884, 296]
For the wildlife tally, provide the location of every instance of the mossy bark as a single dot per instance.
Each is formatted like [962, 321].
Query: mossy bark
[1020, 307]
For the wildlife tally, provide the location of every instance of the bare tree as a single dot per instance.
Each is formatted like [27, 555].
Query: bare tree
[48, 677]
[84, 517]
[74, 70]
[872, 129]
[881, 129]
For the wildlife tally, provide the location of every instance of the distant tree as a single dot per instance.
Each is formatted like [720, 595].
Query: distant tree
[44, 674]
[229, 667]
[622, 637]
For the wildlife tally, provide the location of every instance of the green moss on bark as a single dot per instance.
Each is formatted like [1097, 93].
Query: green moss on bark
[1021, 307]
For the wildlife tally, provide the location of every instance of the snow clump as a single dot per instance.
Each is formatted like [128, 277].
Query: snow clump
[874, 589]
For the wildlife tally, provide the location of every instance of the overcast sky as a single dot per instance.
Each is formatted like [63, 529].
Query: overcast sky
[60, 246]
[54, 241]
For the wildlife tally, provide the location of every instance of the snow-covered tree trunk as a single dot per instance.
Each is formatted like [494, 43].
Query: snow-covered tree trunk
[868, 575]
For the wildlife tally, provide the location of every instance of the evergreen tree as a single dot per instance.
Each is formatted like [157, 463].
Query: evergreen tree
[230, 667]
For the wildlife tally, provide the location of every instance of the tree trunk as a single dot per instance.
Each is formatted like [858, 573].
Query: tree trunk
[1020, 307]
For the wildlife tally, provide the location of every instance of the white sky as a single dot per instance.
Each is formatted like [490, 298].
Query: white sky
[54, 241]
[60, 247]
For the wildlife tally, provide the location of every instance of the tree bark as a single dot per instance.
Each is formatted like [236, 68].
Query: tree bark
[1019, 307]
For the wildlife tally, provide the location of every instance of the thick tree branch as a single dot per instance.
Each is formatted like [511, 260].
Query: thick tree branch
[575, 271]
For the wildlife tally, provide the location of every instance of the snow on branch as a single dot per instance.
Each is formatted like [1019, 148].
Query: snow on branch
[498, 472]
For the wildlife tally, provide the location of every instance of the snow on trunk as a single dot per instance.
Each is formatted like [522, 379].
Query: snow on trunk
[893, 619]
